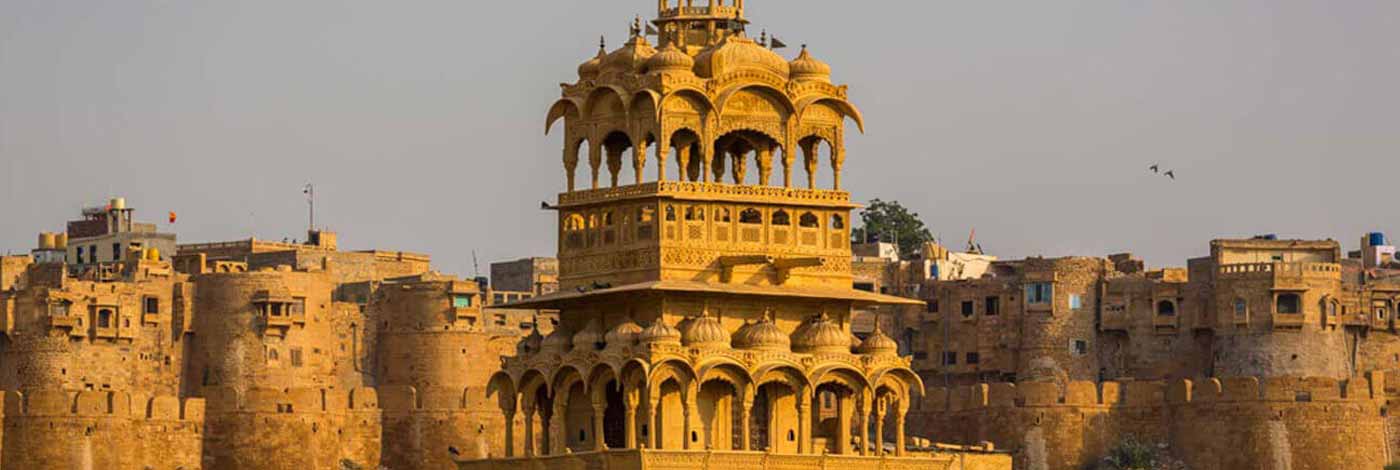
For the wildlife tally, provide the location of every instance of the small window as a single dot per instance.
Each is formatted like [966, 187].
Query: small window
[1289, 304]
[722, 215]
[116, 252]
[152, 305]
[974, 358]
[670, 213]
[1040, 293]
[296, 357]
[461, 301]
[104, 318]
[573, 222]
[950, 358]
[1241, 307]
[298, 306]
[993, 306]
[808, 220]
[694, 213]
[1079, 347]
[750, 216]
[1076, 301]
[967, 309]
[1166, 308]
[837, 223]
[500, 319]
[781, 218]
[933, 306]
[608, 219]
[80, 255]
[865, 286]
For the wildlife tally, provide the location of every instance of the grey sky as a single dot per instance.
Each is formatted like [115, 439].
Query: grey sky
[421, 121]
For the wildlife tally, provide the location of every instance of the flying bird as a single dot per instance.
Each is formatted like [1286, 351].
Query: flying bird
[1171, 174]
[1155, 168]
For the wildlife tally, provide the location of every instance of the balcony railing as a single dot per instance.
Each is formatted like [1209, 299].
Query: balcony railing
[697, 190]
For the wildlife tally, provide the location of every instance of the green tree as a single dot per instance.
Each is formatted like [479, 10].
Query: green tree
[891, 222]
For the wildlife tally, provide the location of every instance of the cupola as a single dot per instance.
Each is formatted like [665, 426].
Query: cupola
[805, 68]
[671, 60]
[631, 58]
[704, 331]
[660, 333]
[819, 334]
[739, 53]
[557, 342]
[590, 70]
[762, 336]
[624, 334]
[590, 338]
[879, 344]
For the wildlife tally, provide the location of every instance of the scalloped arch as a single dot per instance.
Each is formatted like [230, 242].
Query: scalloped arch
[846, 108]
[842, 372]
[767, 90]
[593, 96]
[560, 110]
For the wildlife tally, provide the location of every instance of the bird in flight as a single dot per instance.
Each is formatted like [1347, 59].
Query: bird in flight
[1155, 168]
[1171, 174]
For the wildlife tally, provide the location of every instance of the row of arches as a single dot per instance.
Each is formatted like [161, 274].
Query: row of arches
[741, 157]
[719, 407]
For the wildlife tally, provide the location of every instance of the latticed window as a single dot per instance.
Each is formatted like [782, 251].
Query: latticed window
[750, 216]
[781, 218]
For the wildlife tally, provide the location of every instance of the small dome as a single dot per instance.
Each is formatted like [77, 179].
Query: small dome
[878, 344]
[532, 343]
[631, 58]
[704, 331]
[588, 339]
[590, 70]
[820, 335]
[737, 53]
[660, 333]
[557, 342]
[805, 67]
[625, 334]
[762, 336]
[671, 59]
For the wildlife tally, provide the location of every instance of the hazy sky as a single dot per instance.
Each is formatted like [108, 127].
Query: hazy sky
[420, 122]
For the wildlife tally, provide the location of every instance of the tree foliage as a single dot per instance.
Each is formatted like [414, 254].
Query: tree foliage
[889, 221]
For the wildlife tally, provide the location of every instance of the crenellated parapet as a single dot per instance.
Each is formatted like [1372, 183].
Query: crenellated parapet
[101, 429]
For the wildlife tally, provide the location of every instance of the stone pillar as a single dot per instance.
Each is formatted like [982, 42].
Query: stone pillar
[639, 161]
[765, 165]
[717, 166]
[804, 421]
[598, 443]
[683, 161]
[570, 164]
[899, 430]
[704, 162]
[595, 159]
[530, 432]
[557, 443]
[629, 420]
[863, 420]
[661, 150]
[809, 159]
[510, 433]
[789, 159]
[614, 164]
[653, 423]
[746, 415]
[879, 427]
[843, 426]
[739, 158]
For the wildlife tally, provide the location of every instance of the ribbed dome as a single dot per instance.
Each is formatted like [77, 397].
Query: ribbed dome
[590, 70]
[878, 344]
[762, 336]
[805, 67]
[630, 58]
[660, 333]
[670, 59]
[737, 53]
[588, 339]
[820, 335]
[704, 332]
[624, 334]
[556, 342]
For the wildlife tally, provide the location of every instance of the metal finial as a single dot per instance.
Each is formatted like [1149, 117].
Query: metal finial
[602, 42]
[763, 38]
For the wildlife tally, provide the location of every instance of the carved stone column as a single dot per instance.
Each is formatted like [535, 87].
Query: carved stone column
[557, 444]
[717, 166]
[629, 420]
[598, 410]
[789, 159]
[809, 160]
[639, 161]
[595, 159]
[899, 429]
[746, 416]
[653, 423]
[662, 148]
[705, 162]
[838, 160]
[614, 163]
[804, 421]
[843, 427]
[530, 431]
[510, 432]
[880, 427]
[683, 161]
[570, 164]
[863, 421]
[765, 165]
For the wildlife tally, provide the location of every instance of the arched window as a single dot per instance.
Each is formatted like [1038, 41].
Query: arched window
[573, 222]
[1241, 307]
[1166, 308]
[1288, 304]
[670, 213]
[750, 216]
[837, 223]
[592, 220]
[694, 213]
[781, 218]
[808, 220]
[608, 219]
[722, 214]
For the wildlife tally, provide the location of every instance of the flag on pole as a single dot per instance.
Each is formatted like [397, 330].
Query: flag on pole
[172, 217]
[777, 43]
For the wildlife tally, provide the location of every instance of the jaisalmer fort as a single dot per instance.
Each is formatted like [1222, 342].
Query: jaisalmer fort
[699, 317]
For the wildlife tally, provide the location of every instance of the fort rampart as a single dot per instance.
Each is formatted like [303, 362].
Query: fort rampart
[101, 430]
[1214, 424]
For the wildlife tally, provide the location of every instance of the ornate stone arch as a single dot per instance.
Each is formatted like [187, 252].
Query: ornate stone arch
[769, 91]
[567, 109]
[780, 371]
[589, 112]
[668, 369]
[725, 369]
[566, 375]
[904, 376]
[844, 107]
[843, 374]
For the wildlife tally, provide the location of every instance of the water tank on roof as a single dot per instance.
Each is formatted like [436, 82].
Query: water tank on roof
[61, 241]
[1376, 238]
[118, 203]
[47, 241]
